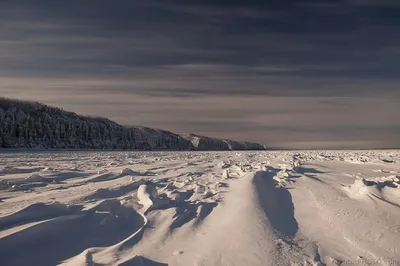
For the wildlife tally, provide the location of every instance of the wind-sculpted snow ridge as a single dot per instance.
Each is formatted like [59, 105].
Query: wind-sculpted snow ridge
[199, 208]
[34, 125]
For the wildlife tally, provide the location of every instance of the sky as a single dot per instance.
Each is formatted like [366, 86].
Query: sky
[284, 73]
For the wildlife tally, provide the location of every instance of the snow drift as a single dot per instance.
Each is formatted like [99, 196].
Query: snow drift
[199, 208]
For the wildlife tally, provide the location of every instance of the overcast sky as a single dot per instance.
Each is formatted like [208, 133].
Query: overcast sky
[288, 73]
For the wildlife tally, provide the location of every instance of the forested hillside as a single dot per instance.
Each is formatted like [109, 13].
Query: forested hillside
[35, 125]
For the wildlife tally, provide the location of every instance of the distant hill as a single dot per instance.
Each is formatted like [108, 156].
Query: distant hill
[207, 143]
[26, 124]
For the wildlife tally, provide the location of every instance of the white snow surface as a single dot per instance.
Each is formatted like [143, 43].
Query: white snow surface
[200, 208]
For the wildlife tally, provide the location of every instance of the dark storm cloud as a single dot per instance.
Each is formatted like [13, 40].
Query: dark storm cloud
[97, 51]
[92, 36]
